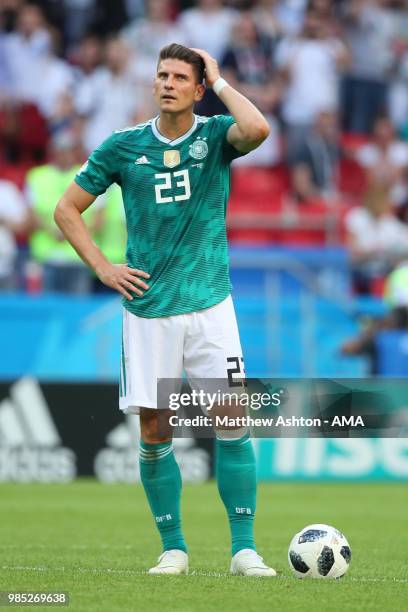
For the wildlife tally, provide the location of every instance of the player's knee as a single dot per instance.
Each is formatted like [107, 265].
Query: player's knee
[154, 426]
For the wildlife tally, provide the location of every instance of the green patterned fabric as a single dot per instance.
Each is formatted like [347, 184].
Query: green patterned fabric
[175, 197]
[161, 479]
[236, 479]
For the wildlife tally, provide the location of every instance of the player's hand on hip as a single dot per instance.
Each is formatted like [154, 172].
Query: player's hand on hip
[212, 72]
[123, 279]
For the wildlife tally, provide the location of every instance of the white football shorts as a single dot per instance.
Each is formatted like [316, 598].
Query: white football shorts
[205, 344]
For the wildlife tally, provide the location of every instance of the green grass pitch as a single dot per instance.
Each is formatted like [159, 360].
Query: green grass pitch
[97, 540]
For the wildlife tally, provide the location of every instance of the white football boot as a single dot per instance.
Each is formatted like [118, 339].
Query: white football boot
[247, 562]
[171, 562]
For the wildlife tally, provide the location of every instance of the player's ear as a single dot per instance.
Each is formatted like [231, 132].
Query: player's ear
[199, 93]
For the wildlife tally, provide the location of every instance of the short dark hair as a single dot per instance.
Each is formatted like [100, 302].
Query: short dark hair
[179, 52]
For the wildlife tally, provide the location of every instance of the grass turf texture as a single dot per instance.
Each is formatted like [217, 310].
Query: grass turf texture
[96, 542]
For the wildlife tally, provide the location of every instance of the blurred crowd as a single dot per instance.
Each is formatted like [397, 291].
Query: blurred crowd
[331, 76]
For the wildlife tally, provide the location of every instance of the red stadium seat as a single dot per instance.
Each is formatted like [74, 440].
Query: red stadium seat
[311, 223]
[260, 211]
[33, 133]
[15, 173]
[255, 193]
[352, 142]
[23, 134]
[352, 179]
[265, 182]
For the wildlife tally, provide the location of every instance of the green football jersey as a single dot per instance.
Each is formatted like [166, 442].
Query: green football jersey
[175, 195]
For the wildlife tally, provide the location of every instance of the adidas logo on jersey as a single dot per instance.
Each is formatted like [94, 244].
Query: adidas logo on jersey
[142, 160]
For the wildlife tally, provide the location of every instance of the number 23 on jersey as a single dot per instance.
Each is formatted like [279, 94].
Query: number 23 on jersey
[169, 182]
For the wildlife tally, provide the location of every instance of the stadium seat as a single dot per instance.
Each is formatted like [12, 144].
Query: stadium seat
[23, 134]
[309, 224]
[351, 141]
[352, 180]
[256, 199]
[33, 133]
[262, 184]
[15, 173]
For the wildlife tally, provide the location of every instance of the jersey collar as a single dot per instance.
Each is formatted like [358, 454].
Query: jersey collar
[168, 140]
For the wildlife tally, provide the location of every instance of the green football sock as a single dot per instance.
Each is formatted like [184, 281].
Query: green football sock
[236, 478]
[161, 479]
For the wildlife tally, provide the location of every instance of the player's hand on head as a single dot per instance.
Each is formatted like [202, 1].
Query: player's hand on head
[212, 71]
[124, 279]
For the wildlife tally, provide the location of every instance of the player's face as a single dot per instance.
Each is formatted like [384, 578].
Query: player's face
[175, 86]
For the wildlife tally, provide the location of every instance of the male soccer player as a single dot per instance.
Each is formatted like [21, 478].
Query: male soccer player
[178, 313]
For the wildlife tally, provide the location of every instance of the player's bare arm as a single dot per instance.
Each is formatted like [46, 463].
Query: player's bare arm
[68, 218]
[251, 127]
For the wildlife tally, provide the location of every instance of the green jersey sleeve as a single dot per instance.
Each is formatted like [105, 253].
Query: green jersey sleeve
[224, 123]
[101, 169]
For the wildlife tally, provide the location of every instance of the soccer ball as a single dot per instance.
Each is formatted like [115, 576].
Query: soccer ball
[319, 551]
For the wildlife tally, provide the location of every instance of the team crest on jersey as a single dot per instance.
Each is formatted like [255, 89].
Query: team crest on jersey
[171, 158]
[199, 149]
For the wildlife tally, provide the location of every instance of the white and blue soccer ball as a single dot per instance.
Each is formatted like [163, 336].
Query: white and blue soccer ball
[319, 551]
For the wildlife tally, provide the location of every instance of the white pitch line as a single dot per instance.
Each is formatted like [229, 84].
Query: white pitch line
[362, 579]
[91, 570]
[70, 547]
[24, 568]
